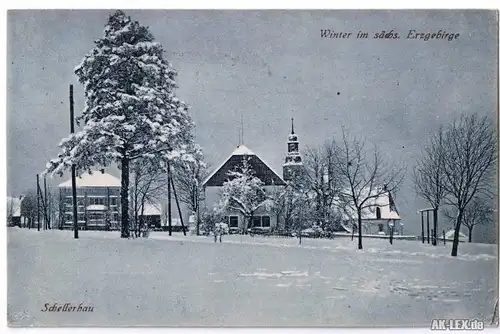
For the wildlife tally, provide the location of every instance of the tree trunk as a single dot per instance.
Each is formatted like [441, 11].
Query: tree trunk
[454, 249]
[435, 218]
[353, 225]
[135, 207]
[360, 243]
[470, 233]
[125, 230]
[140, 222]
[197, 215]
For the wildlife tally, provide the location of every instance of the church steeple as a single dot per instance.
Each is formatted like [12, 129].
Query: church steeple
[293, 160]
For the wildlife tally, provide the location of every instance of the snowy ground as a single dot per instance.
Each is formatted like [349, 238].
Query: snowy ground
[244, 281]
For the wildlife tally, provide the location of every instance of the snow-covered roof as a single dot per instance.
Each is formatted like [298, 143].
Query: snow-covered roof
[96, 179]
[14, 206]
[175, 221]
[97, 207]
[451, 233]
[151, 210]
[242, 150]
[424, 210]
[239, 151]
[293, 163]
[383, 202]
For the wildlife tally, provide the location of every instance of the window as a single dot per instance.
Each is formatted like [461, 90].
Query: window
[95, 216]
[256, 222]
[113, 201]
[378, 213]
[266, 221]
[233, 221]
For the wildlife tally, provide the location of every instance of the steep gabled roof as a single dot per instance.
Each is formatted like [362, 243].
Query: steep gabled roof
[262, 170]
[97, 179]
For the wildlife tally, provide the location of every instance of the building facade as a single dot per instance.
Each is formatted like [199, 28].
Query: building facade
[98, 202]
[379, 216]
[263, 218]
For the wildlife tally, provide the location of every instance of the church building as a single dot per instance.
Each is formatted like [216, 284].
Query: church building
[264, 219]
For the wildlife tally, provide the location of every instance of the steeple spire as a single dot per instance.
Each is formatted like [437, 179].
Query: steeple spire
[293, 160]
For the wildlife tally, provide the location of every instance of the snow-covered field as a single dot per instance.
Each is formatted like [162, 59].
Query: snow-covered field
[244, 281]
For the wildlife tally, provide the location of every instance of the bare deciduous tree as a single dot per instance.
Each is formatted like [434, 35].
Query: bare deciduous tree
[148, 185]
[11, 208]
[428, 177]
[468, 159]
[364, 178]
[29, 208]
[188, 177]
[478, 212]
[293, 205]
[322, 179]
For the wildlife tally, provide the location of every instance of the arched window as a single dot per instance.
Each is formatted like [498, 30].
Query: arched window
[378, 213]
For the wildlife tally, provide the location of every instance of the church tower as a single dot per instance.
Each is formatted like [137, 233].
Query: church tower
[293, 160]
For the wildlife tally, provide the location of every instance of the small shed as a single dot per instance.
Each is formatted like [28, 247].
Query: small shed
[462, 237]
[151, 215]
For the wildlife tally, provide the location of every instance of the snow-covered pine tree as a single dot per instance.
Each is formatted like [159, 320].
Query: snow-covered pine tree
[130, 111]
[244, 192]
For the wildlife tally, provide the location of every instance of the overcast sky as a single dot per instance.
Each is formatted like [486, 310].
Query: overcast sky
[268, 66]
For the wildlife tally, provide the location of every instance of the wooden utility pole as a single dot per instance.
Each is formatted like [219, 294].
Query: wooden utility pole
[169, 207]
[73, 167]
[38, 201]
[61, 210]
[423, 233]
[46, 202]
[108, 209]
[178, 206]
[196, 191]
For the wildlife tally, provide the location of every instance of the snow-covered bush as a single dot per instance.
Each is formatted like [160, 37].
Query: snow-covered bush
[209, 219]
